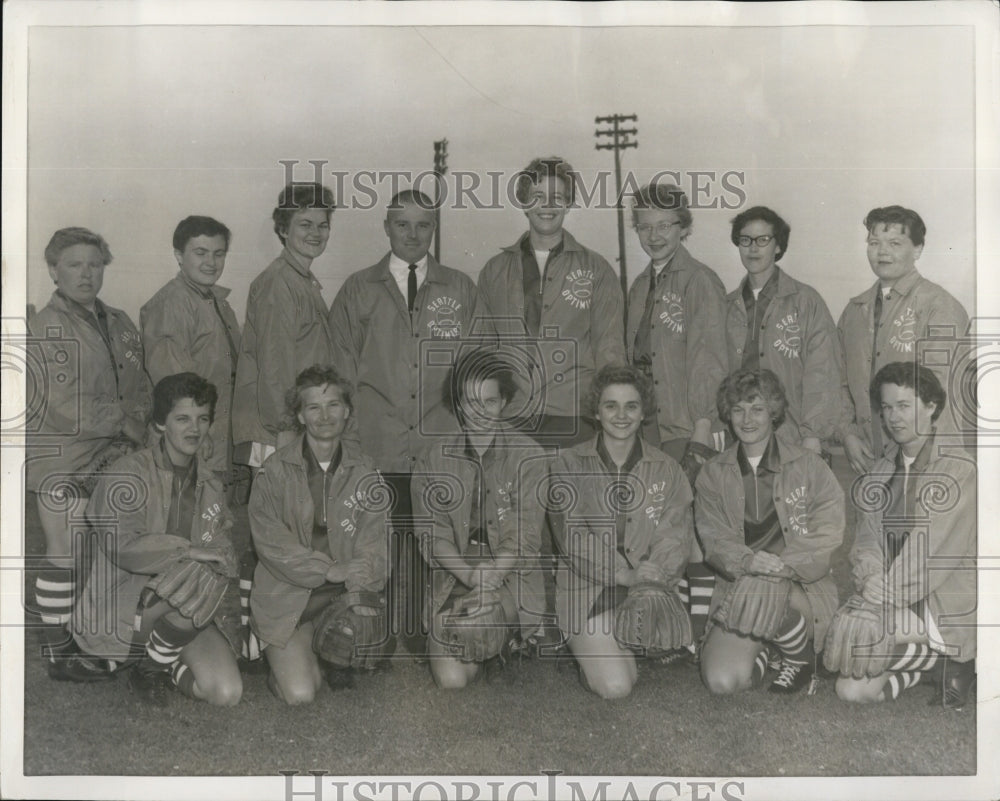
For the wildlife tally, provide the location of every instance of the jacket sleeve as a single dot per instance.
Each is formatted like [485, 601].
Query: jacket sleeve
[277, 545]
[368, 568]
[867, 556]
[348, 333]
[725, 547]
[848, 415]
[808, 554]
[674, 530]
[276, 341]
[949, 500]
[165, 340]
[136, 548]
[822, 372]
[431, 481]
[706, 345]
[607, 324]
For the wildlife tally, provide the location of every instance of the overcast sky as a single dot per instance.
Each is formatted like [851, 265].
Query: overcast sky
[132, 128]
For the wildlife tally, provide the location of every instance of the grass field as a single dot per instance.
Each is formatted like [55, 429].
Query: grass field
[531, 718]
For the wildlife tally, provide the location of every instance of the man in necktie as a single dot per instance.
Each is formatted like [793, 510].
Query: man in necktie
[888, 322]
[379, 319]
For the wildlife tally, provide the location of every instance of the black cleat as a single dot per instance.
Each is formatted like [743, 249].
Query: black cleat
[79, 668]
[955, 685]
[340, 679]
[792, 678]
[151, 687]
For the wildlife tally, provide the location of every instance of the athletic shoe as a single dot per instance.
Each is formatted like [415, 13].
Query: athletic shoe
[151, 687]
[79, 668]
[792, 678]
[955, 685]
[340, 678]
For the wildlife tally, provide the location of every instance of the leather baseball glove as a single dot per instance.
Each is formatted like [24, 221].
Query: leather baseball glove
[857, 642]
[477, 627]
[193, 588]
[652, 619]
[346, 638]
[754, 606]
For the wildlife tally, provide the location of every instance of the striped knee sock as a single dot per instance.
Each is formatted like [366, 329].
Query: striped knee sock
[900, 681]
[913, 657]
[701, 584]
[166, 641]
[759, 668]
[250, 647]
[792, 639]
[183, 678]
[55, 592]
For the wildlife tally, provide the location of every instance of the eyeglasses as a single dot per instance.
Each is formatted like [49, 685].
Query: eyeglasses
[662, 228]
[761, 241]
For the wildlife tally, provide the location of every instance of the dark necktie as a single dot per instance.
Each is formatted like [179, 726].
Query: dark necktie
[411, 288]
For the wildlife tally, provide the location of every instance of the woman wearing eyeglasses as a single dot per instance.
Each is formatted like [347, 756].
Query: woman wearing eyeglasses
[783, 325]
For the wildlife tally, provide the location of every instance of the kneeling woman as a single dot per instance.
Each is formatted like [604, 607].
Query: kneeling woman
[621, 515]
[165, 562]
[318, 522]
[769, 514]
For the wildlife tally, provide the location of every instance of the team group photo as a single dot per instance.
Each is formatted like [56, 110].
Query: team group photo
[467, 427]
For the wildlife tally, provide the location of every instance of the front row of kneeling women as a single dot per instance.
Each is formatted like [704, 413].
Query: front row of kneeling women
[768, 515]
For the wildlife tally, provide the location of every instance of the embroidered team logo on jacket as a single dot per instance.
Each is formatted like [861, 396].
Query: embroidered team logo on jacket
[672, 315]
[904, 331]
[655, 500]
[579, 288]
[444, 323]
[214, 517]
[798, 518]
[789, 341]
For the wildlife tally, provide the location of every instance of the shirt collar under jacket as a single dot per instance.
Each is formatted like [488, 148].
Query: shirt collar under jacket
[568, 243]
[634, 456]
[293, 454]
[902, 287]
[220, 292]
[769, 460]
[400, 270]
[82, 311]
[923, 457]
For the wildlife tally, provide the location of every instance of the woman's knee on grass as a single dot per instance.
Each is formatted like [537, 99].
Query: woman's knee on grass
[861, 691]
[726, 679]
[609, 683]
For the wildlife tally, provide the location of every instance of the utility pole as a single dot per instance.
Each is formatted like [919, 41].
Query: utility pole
[440, 168]
[620, 141]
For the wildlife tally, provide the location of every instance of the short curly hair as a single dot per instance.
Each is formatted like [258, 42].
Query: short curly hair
[782, 230]
[296, 196]
[745, 385]
[919, 378]
[663, 197]
[621, 374]
[538, 170]
[67, 237]
[475, 366]
[172, 388]
[909, 222]
[318, 375]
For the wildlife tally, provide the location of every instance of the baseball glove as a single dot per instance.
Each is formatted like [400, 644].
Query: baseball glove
[345, 638]
[477, 627]
[652, 619]
[193, 588]
[857, 642]
[690, 463]
[754, 606]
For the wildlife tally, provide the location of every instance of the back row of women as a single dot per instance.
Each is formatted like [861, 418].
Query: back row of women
[552, 310]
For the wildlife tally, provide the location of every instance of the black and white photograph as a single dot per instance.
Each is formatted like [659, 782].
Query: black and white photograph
[500, 400]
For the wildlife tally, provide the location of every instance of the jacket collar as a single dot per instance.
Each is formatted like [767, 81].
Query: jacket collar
[787, 451]
[649, 454]
[903, 287]
[568, 243]
[293, 454]
[60, 301]
[220, 292]
[289, 258]
[162, 462]
[784, 285]
[436, 273]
